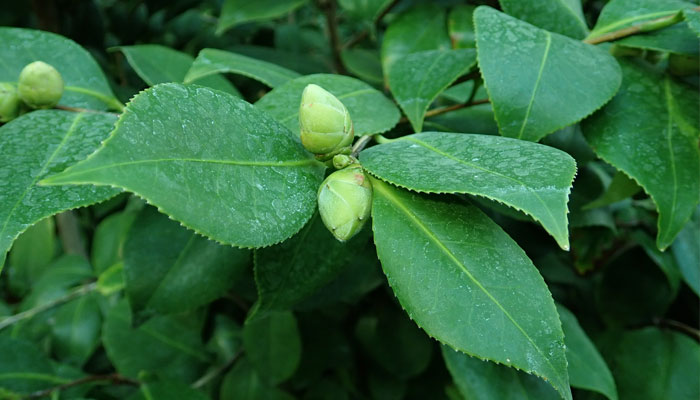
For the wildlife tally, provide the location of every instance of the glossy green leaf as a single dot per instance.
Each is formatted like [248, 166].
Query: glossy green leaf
[370, 110]
[692, 18]
[418, 78]
[169, 346]
[76, 330]
[468, 284]
[159, 64]
[209, 160]
[619, 14]
[484, 380]
[536, 79]
[85, 84]
[24, 368]
[655, 120]
[364, 9]
[421, 28]
[686, 250]
[620, 188]
[587, 369]
[168, 390]
[244, 383]
[273, 345]
[460, 24]
[108, 240]
[639, 358]
[364, 64]
[31, 254]
[283, 273]
[663, 259]
[34, 146]
[678, 38]
[168, 268]
[213, 61]
[529, 177]
[111, 280]
[561, 16]
[235, 12]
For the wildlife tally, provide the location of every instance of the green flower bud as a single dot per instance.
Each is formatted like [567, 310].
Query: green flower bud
[40, 85]
[325, 123]
[341, 161]
[344, 201]
[9, 102]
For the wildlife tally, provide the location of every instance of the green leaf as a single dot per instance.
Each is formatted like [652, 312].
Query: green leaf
[620, 188]
[484, 380]
[468, 284]
[283, 273]
[364, 9]
[664, 260]
[209, 160]
[85, 84]
[536, 79]
[587, 369]
[273, 344]
[159, 64]
[213, 61]
[169, 269]
[24, 369]
[655, 120]
[170, 390]
[619, 14]
[364, 64]
[677, 39]
[31, 254]
[418, 78]
[108, 240]
[244, 383]
[421, 28]
[111, 280]
[169, 346]
[235, 12]
[370, 110]
[692, 18]
[529, 177]
[561, 16]
[460, 24]
[639, 359]
[686, 250]
[76, 330]
[34, 146]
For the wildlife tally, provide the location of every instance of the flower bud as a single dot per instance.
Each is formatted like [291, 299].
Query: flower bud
[40, 85]
[345, 201]
[9, 102]
[325, 122]
[341, 161]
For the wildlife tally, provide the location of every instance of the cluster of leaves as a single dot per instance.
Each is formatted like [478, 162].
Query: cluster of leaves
[170, 248]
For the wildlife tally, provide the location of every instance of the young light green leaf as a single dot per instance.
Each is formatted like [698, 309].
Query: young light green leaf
[587, 369]
[235, 12]
[529, 177]
[655, 120]
[209, 160]
[460, 24]
[620, 188]
[484, 380]
[169, 269]
[34, 146]
[468, 284]
[363, 63]
[370, 110]
[421, 28]
[561, 16]
[24, 368]
[418, 78]
[619, 14]
[159, 64]
[273, 344]
[213, 61]
[536, 79]
[85, 84]
[686, 250]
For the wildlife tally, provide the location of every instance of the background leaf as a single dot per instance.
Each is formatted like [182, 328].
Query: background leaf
[677, 39]
[76, 329]
[34, 146]
[656, 121]
[364, 9]
[364, 64]
[170, 390]
[561, 16]
[235, 12]
[210, 161]
[24, 369]
[618, 14]
[535, 78]
[686, 250]
[273, 345]
[692, 18]
[461, 26]
[533, 178]
[244, 383]
[468, 285]
[32, 252]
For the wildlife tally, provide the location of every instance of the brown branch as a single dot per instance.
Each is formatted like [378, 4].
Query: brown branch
[358, 37]
[329, 7]
[648, 26]
[678, 326]
[116, 379]
[78, 109]
[454, 107]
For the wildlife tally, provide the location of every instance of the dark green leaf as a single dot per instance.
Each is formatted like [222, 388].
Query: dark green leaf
[686, 250]
[620, 188]
[536, 79]
[364, 9]
[461, 27]
[213, 61]
[169, 269]
[649, 131]
[235, 12]
[34, 146]
[76, 330]
[526, 176]
[418, 78]
[31, 254]
[85, 84]
[210, 161]
[108, 240]
[468, 284]
[618, 14]
[24, 369]
[692, 18]
[273, 344]
[168, 390]
[243, 383]
[370, 110]
[561, 16]
[677, 39]
[364, 64]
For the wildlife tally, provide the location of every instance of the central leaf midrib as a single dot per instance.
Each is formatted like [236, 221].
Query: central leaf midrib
[548, 45]
[381, 188]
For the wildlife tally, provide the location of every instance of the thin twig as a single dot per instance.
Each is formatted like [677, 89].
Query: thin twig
[114, 378]
[360, 144]
[69, 233]
[454, 107]
[648, 26]
[78, 109]
[678, 326]
[358, 37]
[329, 7]
[211, 375]
[73, 294]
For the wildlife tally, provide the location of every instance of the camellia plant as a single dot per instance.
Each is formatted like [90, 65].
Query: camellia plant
[351, 199]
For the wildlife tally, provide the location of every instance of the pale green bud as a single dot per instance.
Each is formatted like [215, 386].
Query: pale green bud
[9, 102]
[345, 201]
[341, 161]
[40, 85]
[325, 123]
